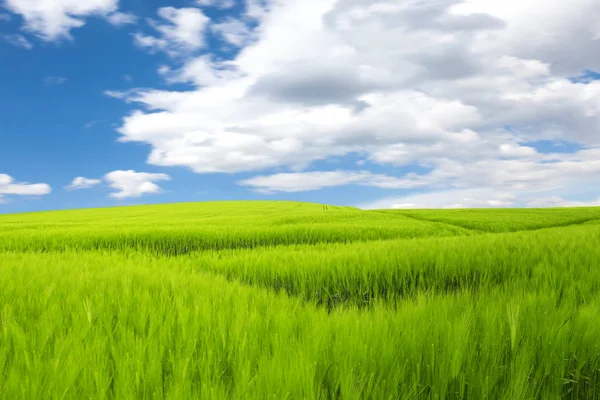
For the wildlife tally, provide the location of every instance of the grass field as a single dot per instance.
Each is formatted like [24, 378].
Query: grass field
[282, 300]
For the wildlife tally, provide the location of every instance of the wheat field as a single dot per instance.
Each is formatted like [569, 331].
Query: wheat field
[284, 300]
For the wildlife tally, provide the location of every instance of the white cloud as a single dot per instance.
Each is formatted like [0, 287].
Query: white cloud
[458, 198]
[134, 184]
[557, 201]
[538, 173]
[121, 18]
[149, 42]
[8, 186]
[484, 197]
[116, 94]
[83, 183]
[182, 30]
[18, 41]
[398, 82]
[304, 181]
[5, 18]
[201, 71]
[257, 9]
[54, 19]
[564, 25]
[128, 183]
[233, 31]
[289, 135]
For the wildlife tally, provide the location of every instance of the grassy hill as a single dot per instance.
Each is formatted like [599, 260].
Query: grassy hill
[301, 301]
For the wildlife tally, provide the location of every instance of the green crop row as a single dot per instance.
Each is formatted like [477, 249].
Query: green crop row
[505, 220]
[360, 273]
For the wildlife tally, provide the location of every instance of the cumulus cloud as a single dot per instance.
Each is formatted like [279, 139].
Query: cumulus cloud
[134, 184]
[180, 30]
[521, 170]
[83, 183]
[305, 181]
[54, 19]
[8, 186]
[400, 82]
[128, 183]
[18, 40]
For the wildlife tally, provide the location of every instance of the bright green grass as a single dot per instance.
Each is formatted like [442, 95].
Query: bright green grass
[505, 220]
[184, 228]
[361, 273]
[257, 300]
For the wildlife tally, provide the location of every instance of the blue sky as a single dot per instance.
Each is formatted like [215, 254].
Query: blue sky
[401, 105]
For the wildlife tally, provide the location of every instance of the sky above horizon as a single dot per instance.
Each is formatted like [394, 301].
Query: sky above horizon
[374, 104]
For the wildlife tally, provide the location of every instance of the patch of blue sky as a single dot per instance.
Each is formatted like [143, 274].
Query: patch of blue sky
[587, 77]
[554, 146]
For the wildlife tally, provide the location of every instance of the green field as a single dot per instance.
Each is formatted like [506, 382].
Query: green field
[283, 300]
